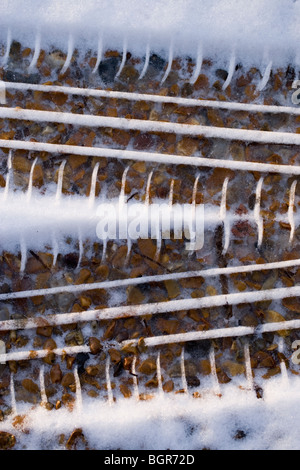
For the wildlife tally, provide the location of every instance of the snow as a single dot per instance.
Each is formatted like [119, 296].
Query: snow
[257, 33]
[247, 135]
[184, 423]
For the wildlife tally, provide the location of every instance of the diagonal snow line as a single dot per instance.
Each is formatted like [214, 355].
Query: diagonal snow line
[41, 353]
[108, 381]
[198, 65]
[257, 216]
[229, 332]
[265, 77]
[69, 54]
[291, 217]
[99, 54]
[98, 93]
[8, 46]
[13, 394]
[123, 58]
[169, 66]
[246, 135]
[214, 375]
[147, 58]
[154, 308]
[149, 279]
[172, 159]
[37, 49]
[249, 374]
[231, 70]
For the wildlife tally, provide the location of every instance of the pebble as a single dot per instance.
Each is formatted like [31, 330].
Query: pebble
[233, 368]
[193, 381]
[7, 440]
[56, 374]
[147, 247]
[115, 355]
[167, 326]
[134, 295]
[273, 316]
[187, 146]
[56, 59]
[143, 142]
[75, 436]
[50, 358]
[83, 277]
[125, 390]
[68, 380]
[262, 359]
[95, 345]
[93, 370]
[168, 386]
[202, 82]
[222, 376]
[74, 338]
[50, 344]
[173, 288]
[292, 303]
[30, 386]
[148, 366]
[108, 69]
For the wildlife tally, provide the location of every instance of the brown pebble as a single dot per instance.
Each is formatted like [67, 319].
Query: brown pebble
[102, 271]
[167, 326]
[93, 370]
[74, 437]
[125, 390]
[83, 276]
[147, 247]
[30, 386]
[50, 344]
[168, 386]
[201, 82]
[58, 405]
[134, 295]
[173, 288]
[187, 146]
[50, 358]
[115, 355]
[44, 331]
[21, 164]
[7, 440]
[55, 374]
[70, 361]
[95, 345]
[148, 366]
[68, 379]
[143, 142]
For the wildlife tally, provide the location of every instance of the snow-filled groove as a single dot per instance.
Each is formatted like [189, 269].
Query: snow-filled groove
[69, 55]
[37, 50]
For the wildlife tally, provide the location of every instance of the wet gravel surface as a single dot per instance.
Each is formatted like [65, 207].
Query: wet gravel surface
[40, 272]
